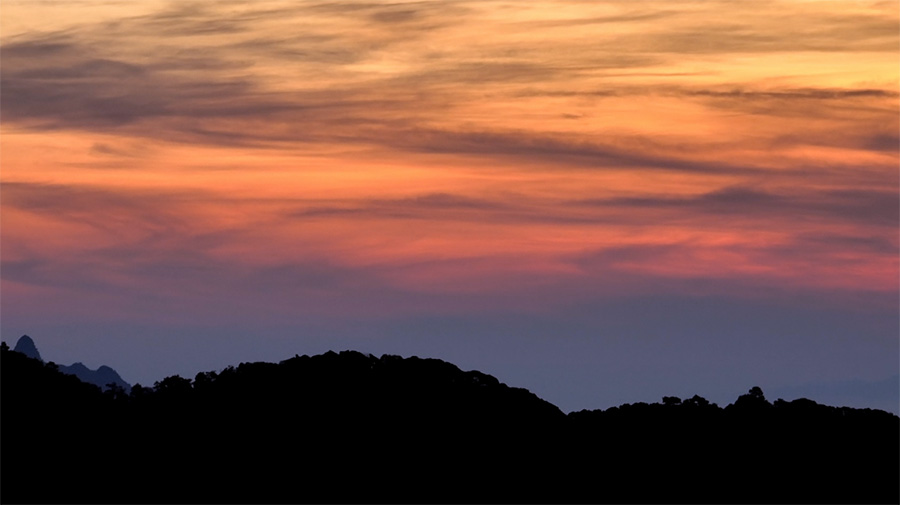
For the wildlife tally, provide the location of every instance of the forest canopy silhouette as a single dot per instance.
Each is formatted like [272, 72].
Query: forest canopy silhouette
[352, 427]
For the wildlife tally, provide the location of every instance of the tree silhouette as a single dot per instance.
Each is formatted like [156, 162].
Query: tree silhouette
[753, 400]
[671, 400]
[696, 401]
[350, 427]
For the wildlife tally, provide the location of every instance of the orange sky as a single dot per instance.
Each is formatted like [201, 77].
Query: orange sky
[504, 154]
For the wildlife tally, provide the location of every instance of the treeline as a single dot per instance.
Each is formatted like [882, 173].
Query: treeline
[351, 427]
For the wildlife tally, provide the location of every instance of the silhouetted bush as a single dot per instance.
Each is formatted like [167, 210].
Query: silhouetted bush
[350, 427]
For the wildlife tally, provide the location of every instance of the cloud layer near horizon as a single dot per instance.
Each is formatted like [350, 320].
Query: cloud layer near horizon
[291, 160]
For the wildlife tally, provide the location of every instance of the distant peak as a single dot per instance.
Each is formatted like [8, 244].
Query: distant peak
[75, 368]
[26, 346]
[100, 377]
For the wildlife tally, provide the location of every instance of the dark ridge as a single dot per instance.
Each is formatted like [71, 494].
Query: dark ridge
[102, 377]
[354, 428]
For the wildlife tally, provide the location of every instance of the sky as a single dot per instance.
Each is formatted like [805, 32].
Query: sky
[600, 201]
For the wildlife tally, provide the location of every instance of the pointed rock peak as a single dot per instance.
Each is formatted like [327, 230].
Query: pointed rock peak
[26, 346]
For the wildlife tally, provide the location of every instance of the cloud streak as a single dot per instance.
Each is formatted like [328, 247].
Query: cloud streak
[360, 164]
[365, 92]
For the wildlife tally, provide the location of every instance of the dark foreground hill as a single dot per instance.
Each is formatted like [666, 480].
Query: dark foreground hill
[351, 427]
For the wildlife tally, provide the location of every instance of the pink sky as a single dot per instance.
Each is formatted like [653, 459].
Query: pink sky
[279, 164]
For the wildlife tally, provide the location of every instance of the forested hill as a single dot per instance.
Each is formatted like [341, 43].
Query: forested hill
[351, 427]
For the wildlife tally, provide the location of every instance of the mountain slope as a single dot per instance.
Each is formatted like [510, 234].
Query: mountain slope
[348, 427]
[26, 346]
[101, 377]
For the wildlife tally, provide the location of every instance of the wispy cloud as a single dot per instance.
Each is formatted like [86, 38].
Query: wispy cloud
[348, 68]
[596, 190]
[417, 141]
[862, 207]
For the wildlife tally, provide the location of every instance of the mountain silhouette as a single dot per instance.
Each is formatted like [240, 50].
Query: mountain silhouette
[26, 346]
[101, 377]
[351, 427]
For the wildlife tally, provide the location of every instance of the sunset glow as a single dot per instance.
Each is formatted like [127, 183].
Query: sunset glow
[256, 163]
